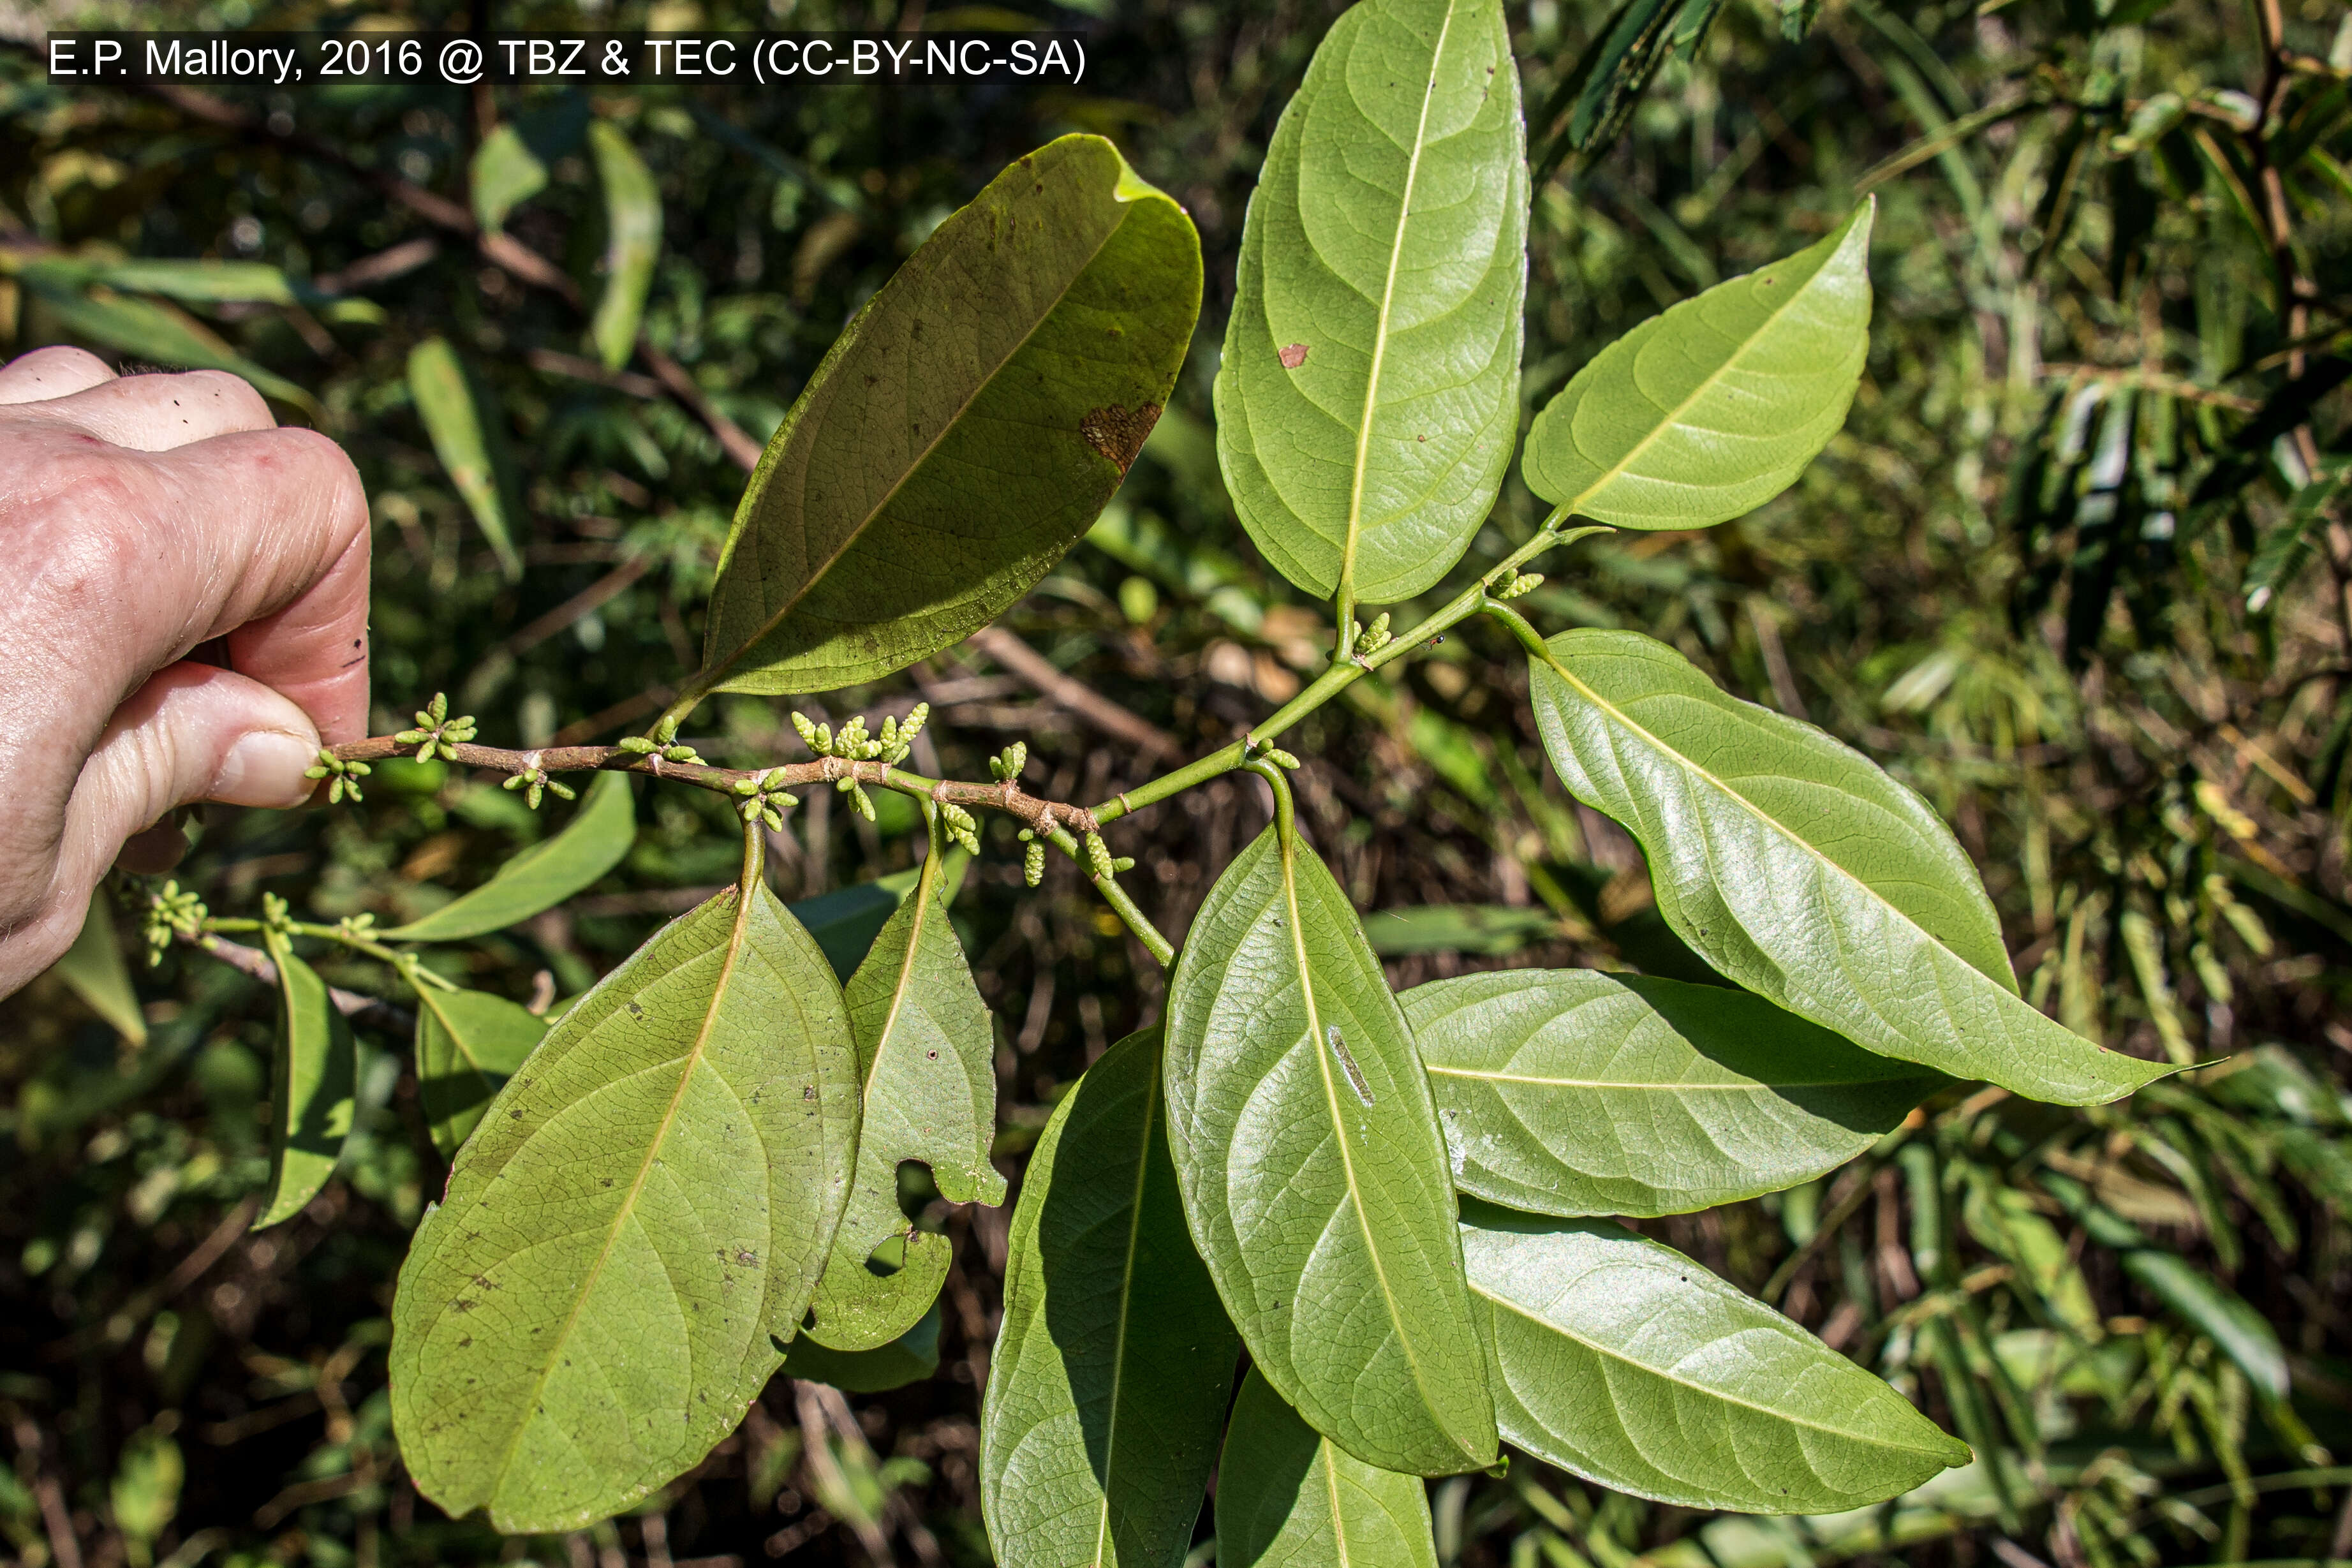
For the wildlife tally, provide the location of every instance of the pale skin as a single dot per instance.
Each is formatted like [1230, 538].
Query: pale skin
[140, 518]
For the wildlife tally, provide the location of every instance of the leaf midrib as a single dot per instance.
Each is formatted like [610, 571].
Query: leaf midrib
[1381, 333]
[1707, 385]
[1758, 1086]
[1315, 1043]
[1126, 1311]
[1704, 1392]
[736, 935]
[717, 672]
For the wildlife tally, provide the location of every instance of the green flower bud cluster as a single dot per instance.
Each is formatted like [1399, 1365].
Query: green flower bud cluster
[668, 751]
[1009, 765]
[1099, 858]
[277, 914]
[533, 781]
[345, 775]
[356, 928]
[855, 745]
[438, 734]
[1032, 859]
[764, 798]
[1525, 583]
[172, 912]
[961, 826]
[1365, 641]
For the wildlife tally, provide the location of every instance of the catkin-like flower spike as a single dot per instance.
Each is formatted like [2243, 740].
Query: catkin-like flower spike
[1098, 856]
[912, 725]
[747, 786]
[860, 799]
[562, 789]
[681, 754]
[806, 730]
[1376, 635]
[638, 746]
[749, 811]
[1525, 583]
[1032, 863]
[773, 818]
[1280, 758]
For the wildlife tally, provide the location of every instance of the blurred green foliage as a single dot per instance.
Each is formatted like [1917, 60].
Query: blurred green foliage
[2077, 570]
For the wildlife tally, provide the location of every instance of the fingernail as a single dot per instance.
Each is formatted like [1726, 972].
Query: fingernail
[265, 768]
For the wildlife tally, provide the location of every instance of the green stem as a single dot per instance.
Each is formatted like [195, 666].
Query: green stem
[1529, 638]
[1285, 810]
[1162, 950]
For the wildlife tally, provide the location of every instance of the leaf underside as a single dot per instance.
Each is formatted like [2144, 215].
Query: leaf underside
[964, 429]
[1314, 1175]
[468, 1044]
[1621, 1360]
[313, 1073]
[1368, 397]
[597, 839]
[1289, 1498]
[926, 1057]
[1110, 1379]
[910, 1358]
[1798, 868]
[635, 1228]
[1574, 1092]
[1711, 409]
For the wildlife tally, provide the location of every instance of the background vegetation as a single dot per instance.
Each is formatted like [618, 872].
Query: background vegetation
[2078, 570]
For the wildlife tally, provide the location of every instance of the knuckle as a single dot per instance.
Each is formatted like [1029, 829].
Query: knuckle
[62, 359]
[328, 470]
[230, 394]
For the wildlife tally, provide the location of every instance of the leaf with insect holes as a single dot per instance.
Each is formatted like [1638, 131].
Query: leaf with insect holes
[927, 1061]
[1368, 395]
[597, 839]
[1288, 1497]
[1110, 1375]
[468, 1043]
[633, 1232]
[633, 239]
[1313, 1172]
[1711, 409]
[962, 431]
[910, 1358]
[1798, 868]
[313, 1076]
[1624, 1361]
[1575, 1092]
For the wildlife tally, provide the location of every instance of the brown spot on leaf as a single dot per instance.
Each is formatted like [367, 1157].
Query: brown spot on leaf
[1117, 433]
[1292, 356]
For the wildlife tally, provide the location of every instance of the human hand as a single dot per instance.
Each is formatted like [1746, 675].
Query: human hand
[140, 517]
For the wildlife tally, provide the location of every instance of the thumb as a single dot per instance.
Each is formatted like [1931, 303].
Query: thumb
[192, 733]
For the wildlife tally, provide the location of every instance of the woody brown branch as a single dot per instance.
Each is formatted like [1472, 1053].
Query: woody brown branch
[1007, 797]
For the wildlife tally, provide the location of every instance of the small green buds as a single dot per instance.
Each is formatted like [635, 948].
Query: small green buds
[859, 799]
[1099, 857]
[436, 734]
[764, 798]
[345, 775]
[172, 912]
[1371, 638]
[534, 783]
[681, 754]
[853, 744]
[639, 746]
[1008, 765]
[961, 826]
[899, 735]
[1032, 859]
[668, 751]
[277, 914]
[1525, 583]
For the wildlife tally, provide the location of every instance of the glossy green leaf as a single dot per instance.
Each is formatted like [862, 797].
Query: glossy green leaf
[1368, 397]
[594, 841]
[1575, 1092]
[927, 1063]
[633, 239]
[1711, 409]
[1313, 1172]
[1798, 868]
[964, 429]
[1289, 1498]
[634, 1229]
[910, 1358]
[457, 415]
[155, 331]
[1621, 1360]
[312, 1072]
[94, 969]
[847, 921]
[205, 282]
[468, 1043]
[505, 173]
[1116, 1359]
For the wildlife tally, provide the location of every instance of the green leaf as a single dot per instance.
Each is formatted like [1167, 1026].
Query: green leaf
[458, 415]
[962, 431]
[1110, 1376]
[1621, 1360]
[910, 1358]
[94, 969]
[1796, 866]
[596, 840]
[1491, 930]
[633, 1231]
[159, 332]
[1574, 1092]
[1710, 410]
[468, 1043]
[205, 282]
[633, 237]
[1313, 1172]
[312, 1072]
[506, 172]
[847, 921]
[1368, 397]
[927, 1065]
[1288, 1498]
